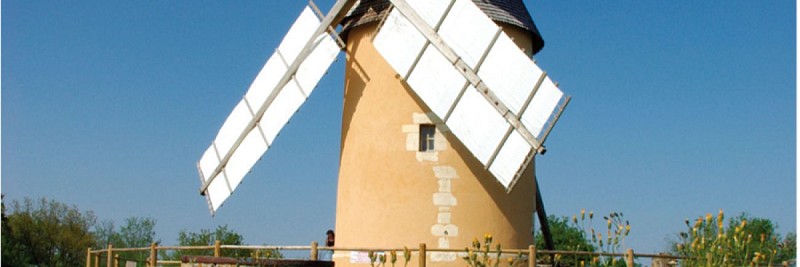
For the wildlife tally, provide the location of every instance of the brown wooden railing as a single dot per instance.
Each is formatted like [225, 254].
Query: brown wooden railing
[93, 257]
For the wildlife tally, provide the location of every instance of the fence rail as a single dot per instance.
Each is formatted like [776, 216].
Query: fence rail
[112, 259]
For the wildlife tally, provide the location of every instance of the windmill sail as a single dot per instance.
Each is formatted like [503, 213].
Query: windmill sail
[280, 88]
[459, 63]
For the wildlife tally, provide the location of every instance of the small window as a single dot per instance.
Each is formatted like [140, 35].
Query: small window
[427, 132]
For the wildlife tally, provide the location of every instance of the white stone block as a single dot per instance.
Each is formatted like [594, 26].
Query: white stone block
[444, 199]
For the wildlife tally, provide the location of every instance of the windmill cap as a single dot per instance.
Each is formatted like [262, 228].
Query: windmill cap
[510, 12]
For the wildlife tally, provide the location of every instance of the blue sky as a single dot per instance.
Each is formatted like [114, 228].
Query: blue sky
[680, 108]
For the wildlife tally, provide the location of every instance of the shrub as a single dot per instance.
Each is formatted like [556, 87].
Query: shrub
[745, 241]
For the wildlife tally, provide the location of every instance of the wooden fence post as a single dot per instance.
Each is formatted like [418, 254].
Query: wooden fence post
[423, 254]
[110, 256]
[629, 257]
[116, 260]
[217, 248]
[88, 257]
[314, 250]
[531, 256]
[97, 260]
[153, 255]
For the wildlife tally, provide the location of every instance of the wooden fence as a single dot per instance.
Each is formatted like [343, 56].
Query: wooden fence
[112, 257]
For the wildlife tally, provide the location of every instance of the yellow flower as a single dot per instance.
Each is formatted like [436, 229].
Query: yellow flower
[591, 214]
[574, 219]
[583, 212]
[756, 257]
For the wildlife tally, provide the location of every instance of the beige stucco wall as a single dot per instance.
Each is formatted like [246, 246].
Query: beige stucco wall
[390, 195]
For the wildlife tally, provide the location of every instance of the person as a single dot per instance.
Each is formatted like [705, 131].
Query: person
[327, 255]
[331, 238]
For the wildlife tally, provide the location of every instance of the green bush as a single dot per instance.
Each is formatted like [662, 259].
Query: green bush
[744, 241]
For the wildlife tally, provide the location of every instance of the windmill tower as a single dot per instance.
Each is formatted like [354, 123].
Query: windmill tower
[443, 114]
[403, 179]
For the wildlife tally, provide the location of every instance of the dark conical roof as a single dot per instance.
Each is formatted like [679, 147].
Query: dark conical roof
[512, 12]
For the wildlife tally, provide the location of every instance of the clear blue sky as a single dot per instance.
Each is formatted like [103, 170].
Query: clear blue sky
[679, 108]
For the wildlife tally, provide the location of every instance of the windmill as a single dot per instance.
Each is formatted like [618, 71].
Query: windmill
[443, 115]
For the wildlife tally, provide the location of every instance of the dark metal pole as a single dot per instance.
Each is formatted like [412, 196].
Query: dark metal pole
[548, 237]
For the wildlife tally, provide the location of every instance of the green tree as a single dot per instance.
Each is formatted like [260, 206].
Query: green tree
[207, 237]
[580, 235]
[13, 253]
[567, 237]
[788, 248]
[744, 241]
[136, 233]
[105, 233]
[46, 233]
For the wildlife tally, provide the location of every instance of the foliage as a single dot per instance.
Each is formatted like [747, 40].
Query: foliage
[580, 235]
[207, 237]
[380, 258]
[475, 251]
[567, 237]
[262, 254]
[13, 253]
[744, 241]
[136, 233]
[486, 258]
[45, 233]
[616, 232]
[788, 248]
[105, 233]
